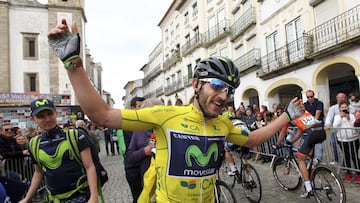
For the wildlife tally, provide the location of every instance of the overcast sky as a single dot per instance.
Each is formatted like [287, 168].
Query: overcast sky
[120, 36]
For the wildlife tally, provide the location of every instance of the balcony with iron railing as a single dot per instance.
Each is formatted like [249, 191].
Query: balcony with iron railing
[174, 87]
[292, 56]
[192, 44]
[159, 91]
[247, 19]
[172, 60]
[249, 61]
[216, 33]
[153, 73]
[150, 94]
[336, 34]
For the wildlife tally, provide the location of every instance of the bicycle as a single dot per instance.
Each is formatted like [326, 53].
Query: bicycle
[326, 184]
[223, 193]
[246, 176]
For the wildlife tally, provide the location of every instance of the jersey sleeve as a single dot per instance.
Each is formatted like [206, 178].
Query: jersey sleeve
[143, 119]
[83, 142]
[237, 136]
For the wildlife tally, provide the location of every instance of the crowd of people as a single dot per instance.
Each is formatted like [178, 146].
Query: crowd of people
[197, 129]
[344, 114]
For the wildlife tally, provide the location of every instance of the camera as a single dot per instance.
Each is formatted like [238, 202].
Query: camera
[345, 111]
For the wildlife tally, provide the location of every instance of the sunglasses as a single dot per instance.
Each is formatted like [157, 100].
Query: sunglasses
[309, 97]
[7, 129]
[219, 85]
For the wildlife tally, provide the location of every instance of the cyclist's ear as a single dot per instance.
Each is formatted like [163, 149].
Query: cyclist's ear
[196, 85]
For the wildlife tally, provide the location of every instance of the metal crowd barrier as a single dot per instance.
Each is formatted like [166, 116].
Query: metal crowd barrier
[341, 149]
[266, 150]
[20, 165]
[21, 169]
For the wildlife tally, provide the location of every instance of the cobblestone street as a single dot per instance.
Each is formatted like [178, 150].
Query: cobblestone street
[116, 190]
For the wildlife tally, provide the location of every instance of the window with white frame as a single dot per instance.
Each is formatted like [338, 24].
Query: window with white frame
[166, 33]
[212, 27]
[186, 18]
[271, 42]
[179, 75]
[173, 78]
[197, 33]
[195, 9]
[168, 82]
[221, 20]
[293, 34]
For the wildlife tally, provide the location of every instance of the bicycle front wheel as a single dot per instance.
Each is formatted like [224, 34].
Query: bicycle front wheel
[327, 185]
[223, 193]
[286, 174]
[251, 183]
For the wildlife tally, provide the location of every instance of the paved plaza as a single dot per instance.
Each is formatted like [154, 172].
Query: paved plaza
[116, 190]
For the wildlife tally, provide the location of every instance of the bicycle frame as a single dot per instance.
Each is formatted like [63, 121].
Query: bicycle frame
[326, 184]
[248, 178]
[293, 159]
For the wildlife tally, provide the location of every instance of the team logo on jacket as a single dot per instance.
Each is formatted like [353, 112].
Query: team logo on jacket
[193, 155]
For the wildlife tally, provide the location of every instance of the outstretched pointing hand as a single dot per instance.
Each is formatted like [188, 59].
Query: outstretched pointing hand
[66, 44]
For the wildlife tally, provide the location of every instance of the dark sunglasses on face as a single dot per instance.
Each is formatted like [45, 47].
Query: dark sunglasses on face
[309, 97]
[219, 85]
[7, 129]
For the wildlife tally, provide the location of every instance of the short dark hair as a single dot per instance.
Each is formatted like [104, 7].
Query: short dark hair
[268, 113]
[135, 99]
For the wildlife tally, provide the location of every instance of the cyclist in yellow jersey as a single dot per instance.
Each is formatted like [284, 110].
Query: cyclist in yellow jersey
[189, 138]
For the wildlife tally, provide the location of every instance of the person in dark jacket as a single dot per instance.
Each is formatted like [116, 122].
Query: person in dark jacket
[139, 154]
[108, 141]
[10, 150]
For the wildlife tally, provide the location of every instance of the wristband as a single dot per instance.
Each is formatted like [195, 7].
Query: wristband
[72, 63]
[287, 115]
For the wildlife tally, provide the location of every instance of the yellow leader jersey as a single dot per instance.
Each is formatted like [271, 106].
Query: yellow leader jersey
[188, 149]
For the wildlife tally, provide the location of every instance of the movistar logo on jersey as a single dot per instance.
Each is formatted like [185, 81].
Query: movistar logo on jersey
[200, 158]
[192, 155]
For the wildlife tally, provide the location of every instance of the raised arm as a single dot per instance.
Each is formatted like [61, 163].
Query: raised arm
[66, 45]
